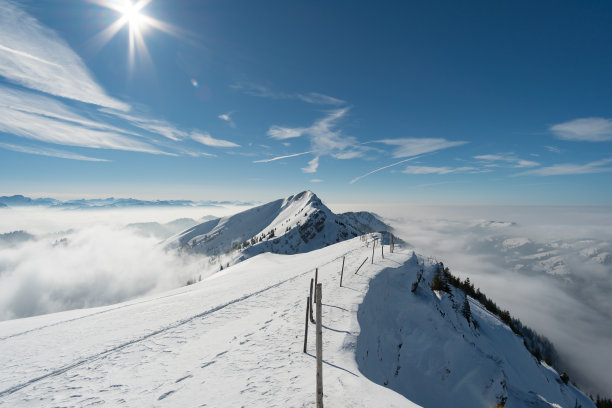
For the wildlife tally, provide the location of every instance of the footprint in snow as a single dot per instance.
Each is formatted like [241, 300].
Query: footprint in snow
[183, 378]
[207, 364]
[164, 395]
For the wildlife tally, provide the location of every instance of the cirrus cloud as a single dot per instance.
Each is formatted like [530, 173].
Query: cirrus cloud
[208, 140]
[36, 57]
[584, 130]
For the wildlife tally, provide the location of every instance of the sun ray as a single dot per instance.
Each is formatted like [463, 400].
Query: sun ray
[130, 15]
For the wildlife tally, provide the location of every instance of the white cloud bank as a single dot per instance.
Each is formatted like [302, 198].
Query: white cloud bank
[88, 267]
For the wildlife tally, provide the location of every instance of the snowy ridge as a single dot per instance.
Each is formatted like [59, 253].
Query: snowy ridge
[420, 343]
[297, 224]
[235, 339]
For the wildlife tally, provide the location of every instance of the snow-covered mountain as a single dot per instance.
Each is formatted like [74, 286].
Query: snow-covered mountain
[236, 339]
[296, 224]
[419, 340]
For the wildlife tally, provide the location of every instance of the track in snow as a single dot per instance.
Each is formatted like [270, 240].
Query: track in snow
[172, 326]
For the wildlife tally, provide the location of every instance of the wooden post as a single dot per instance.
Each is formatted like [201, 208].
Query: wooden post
[391, 246]
[316, 279]
[318, 296]
[382, 254]
[306, 323]
[342, 271]
[364, 261]
[373, 245]
[311, 298]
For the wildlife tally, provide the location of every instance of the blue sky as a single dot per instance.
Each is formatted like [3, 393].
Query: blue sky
[426, 102]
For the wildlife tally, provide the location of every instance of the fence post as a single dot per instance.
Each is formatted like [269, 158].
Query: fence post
[391, 243]
[382, 247]
[311, 300]
[373, 246]
[316, 280]
[318, 296]
[306, 323]
[342, 271]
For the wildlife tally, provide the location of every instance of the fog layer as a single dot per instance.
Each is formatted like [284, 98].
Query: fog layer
[549, 266]
[74, 259]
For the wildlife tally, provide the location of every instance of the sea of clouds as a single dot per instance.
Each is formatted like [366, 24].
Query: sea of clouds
[86, 258]
[550, 266]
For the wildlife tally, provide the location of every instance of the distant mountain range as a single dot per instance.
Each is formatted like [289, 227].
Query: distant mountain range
[111, 202]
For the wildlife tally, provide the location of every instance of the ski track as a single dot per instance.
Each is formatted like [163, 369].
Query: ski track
[165, 329]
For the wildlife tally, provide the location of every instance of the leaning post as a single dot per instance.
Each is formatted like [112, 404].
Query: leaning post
[342, 271]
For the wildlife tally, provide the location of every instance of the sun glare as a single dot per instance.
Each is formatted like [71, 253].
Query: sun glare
[131, 15]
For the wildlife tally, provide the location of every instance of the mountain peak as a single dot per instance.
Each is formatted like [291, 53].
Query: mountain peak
[296, 224]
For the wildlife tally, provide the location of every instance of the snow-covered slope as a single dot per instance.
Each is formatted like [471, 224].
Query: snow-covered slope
[421, 341]
[297, 224]
[236, 338]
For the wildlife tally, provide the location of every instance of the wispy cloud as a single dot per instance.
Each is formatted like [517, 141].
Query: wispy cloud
[265, 92]
[319, 99]
[584, 130]
[36, 57]
[281, 157]
[208, 140]
[356, 179]
[155, 126]
[351, 154]
[553, 149]
[41, 151]
[438, 170]
[599, 166]
[408, 147]
[227, 118]
[508, 158]
[312, 166]
[39, 118]
[282, 133]
[325, 138]
[316, 180]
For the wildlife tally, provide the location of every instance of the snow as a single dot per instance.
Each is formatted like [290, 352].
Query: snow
[423, 347]
[511, 243]
[236, 338]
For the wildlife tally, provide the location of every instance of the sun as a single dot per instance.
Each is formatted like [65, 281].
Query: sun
[131, 15]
